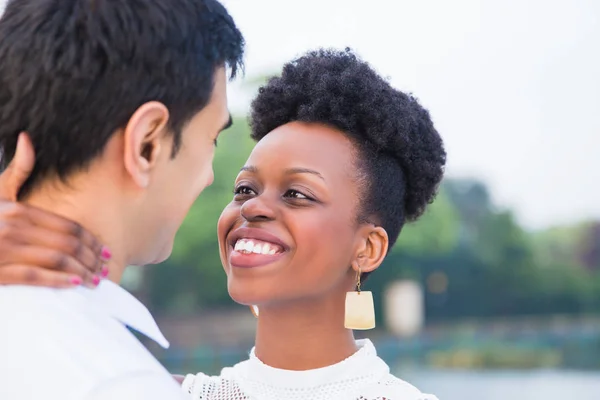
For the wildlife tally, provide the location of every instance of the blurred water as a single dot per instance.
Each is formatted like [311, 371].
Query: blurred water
[507, 385]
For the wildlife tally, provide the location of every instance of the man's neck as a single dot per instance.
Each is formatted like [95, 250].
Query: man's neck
[93, 207]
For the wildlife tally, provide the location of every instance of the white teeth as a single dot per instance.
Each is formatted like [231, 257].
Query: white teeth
[247, 246]
[266, 248]
[239, 245]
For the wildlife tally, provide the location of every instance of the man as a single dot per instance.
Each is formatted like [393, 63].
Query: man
[123, 102]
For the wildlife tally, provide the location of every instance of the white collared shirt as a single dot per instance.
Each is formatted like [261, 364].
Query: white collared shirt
[73, 345]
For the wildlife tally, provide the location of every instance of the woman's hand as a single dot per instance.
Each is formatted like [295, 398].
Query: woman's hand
[40, 248]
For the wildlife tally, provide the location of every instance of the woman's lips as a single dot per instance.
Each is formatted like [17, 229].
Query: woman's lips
[252, 260]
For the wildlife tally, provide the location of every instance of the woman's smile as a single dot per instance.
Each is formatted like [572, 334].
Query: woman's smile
[254, 247]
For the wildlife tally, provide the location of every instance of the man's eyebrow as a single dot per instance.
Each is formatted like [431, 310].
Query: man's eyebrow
[227, 124]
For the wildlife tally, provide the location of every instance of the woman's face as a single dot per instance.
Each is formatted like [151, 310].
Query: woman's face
[290, 232]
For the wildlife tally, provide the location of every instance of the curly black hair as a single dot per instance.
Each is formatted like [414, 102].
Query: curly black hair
[400, 154]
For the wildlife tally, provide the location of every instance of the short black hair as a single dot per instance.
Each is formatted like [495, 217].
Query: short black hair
[72, 72]
[400, 154]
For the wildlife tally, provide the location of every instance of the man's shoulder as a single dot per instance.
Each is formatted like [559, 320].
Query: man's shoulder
[16, 297]
[39, 318]
[27, 307]
[76, 346]
[144, 385]
[28, 311]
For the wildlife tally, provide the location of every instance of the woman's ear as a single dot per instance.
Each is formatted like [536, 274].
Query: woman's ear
[372, 249]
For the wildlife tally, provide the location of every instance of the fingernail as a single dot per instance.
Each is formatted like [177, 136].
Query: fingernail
[104, 271]
[75, 280]
[105, 253]
[96, 280]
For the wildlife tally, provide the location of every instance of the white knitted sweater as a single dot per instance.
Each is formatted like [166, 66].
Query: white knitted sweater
[363, 376]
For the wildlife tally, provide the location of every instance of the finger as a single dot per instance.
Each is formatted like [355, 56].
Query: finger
[19, 213]
[35, 276]
[66, 244]
[52, 260]
[18, 170]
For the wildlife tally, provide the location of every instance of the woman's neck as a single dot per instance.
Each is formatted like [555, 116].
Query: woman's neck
[304, 335]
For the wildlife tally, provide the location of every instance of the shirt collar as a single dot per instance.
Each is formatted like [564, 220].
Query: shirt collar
[364, 364]
[112, 299]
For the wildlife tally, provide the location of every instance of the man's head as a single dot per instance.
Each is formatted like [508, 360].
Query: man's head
[131, 91]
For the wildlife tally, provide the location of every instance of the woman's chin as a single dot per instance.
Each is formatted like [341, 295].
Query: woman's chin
[244, 296]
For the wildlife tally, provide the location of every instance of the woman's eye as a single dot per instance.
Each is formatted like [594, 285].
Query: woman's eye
[243, 190]
[295, 194]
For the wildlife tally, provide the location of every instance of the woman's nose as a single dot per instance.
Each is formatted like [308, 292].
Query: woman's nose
[257, 209]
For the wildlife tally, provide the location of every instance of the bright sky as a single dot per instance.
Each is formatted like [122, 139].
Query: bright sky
[513, 85]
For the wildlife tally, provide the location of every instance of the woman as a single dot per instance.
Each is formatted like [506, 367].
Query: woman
[342, 161]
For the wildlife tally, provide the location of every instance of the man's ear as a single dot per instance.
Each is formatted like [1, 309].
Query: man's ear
[142, 141]
[372, 249]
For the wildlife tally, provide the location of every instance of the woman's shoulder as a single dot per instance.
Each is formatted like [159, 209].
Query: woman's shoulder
[214, 387]
[225, 387]
[391, 387]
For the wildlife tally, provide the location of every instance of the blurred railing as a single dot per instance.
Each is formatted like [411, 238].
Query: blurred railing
[516, 343]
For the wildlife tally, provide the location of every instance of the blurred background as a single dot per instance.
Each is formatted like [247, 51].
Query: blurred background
[495, 292]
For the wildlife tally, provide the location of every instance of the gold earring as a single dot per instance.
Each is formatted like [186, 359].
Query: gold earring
[254, 310]
[360, 311]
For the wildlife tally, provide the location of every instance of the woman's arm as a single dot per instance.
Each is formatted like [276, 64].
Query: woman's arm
[42, 249]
